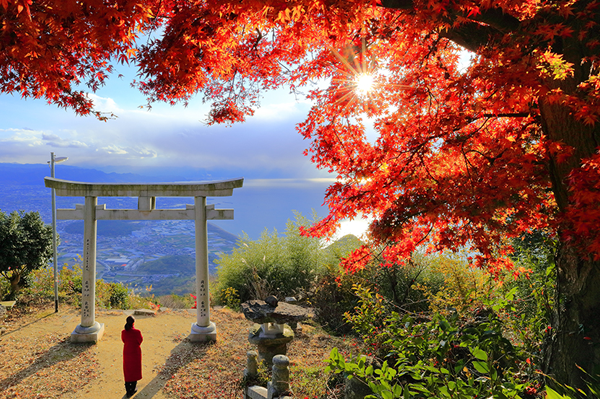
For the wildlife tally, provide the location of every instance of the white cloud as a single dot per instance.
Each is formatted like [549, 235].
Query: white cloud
[280, 111]
[104, 104]
[113, 149]
[266, 145]
[55, 141]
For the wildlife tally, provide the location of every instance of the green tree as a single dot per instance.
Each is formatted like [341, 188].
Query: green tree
[25, 245]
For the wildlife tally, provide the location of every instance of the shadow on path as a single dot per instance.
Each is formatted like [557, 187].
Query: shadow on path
[60, 352]
[6, 334]
[180, 356]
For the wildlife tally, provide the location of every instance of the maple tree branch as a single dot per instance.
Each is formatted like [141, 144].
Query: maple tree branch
[481, 28]
[508, 115]
[471, 36]
[494, 17]
[501, 115]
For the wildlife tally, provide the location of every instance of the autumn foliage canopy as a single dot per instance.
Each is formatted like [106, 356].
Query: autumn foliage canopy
[465, 139]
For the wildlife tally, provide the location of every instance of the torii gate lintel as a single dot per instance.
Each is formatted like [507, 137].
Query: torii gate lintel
[90, 330]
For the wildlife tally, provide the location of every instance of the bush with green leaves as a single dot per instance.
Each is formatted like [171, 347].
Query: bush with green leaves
[112, 295]
[531, 317]
[281, 265]
[442, 358]
[25, 245]
[109, 295]
[332, 294]
[427, 355]
[41, 285]
[562, 391]
[174, 301]
[399, 285]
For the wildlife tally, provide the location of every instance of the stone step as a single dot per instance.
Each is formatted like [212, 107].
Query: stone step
[144, 312]
[8, 304]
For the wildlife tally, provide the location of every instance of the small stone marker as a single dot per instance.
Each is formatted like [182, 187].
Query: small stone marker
[251, 370]
[280, 379]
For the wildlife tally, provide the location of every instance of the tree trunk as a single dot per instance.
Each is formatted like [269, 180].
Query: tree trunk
[575, 338]
[15, 279]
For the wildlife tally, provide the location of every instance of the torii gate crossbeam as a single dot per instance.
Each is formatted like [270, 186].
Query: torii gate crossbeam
[90, 330]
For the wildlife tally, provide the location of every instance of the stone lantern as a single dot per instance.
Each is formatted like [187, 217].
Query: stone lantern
[272, 332]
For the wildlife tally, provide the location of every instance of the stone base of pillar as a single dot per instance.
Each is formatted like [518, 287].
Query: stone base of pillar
[203, 334]
[87, 334]
[255, 392]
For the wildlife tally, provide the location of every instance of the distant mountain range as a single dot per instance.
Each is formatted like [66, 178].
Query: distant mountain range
[259, 205]
[33, 174]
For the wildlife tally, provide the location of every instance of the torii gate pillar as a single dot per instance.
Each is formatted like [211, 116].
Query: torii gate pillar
[90, 330]
[203, 329]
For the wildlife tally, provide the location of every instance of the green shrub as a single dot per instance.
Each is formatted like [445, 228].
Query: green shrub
[456, 287]
[25, 245]
[333, 297]
[4, 288]
[118, 296]
[562, 391]
[40, 288]
[399, 286]
[40, 285]
[462, 354]
[332, 294]
[535, 292]
[229, 297]
[174, 301]
[273, 265]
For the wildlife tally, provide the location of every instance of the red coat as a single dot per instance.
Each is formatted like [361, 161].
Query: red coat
[132, 354]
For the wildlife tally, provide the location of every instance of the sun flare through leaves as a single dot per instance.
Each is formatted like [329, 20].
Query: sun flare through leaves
[365, 82]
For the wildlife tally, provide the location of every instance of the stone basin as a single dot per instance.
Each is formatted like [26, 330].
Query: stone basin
[261, 312]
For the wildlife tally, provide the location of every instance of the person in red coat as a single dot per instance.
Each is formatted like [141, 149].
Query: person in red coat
[132, 356]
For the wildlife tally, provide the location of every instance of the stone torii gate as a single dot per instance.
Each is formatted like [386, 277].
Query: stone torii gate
[90, 330]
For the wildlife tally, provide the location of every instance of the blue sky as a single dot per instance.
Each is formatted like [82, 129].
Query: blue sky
[266, 150]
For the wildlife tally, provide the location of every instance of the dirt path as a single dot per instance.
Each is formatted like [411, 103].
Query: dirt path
[37, 359]
[162, 333]
[169, 360]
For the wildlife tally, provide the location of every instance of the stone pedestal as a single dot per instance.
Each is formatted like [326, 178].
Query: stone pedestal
[203, 334]
[271, 339]
[88, 334]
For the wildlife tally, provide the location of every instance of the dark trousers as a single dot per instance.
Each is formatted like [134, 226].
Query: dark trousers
[130, 387]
